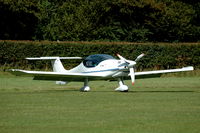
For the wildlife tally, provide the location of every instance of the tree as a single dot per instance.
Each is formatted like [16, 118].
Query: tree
[113, 20]
[18, 19]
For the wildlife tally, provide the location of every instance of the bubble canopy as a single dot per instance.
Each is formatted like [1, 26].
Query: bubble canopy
[94, 60]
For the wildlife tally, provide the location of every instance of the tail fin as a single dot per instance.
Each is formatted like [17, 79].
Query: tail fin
[57, 65]
[55, 61]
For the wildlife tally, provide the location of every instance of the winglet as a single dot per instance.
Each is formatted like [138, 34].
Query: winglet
[189, 68]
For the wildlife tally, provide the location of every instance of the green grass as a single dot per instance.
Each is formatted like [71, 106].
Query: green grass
[161, 105]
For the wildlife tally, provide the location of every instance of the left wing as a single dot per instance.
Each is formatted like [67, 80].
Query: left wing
[153, 74]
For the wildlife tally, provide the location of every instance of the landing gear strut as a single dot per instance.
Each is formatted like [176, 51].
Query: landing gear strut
[122, 87]
[85, 87]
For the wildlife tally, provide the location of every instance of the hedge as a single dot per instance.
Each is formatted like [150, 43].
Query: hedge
[158, 55]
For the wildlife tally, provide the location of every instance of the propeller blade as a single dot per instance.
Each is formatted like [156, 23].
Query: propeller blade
[132, 74]
[139, 57]
[122, 58]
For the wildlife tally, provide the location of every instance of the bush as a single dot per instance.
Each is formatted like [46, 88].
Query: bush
[158, 55]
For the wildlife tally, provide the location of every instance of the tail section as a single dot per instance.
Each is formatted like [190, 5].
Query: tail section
[57, 65]
[55, 61]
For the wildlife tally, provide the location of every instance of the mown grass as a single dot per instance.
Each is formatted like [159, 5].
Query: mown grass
[161, 105]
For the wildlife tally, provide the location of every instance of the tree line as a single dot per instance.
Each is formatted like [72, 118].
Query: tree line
[102, 20]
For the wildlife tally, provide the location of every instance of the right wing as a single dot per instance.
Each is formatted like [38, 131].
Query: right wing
[57, 76]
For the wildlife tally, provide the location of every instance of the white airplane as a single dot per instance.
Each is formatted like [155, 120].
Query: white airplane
[95, 67]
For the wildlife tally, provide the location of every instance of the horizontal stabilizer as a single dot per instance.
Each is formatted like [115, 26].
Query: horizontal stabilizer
[61, 82]
[52, 58]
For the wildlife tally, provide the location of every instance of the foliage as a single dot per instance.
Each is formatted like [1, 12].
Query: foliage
[158, 55]
[114, 20]
[18, 19]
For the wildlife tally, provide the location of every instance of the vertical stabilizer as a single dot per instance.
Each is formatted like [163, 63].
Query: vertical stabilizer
[57, 65]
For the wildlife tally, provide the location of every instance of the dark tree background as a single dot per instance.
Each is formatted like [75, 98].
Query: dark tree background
[104, 20]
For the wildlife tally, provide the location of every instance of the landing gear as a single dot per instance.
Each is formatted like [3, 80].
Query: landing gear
[122, 87]
[85, 88]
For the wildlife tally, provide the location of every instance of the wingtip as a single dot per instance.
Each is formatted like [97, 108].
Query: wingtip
[11, 70]
[189, 68]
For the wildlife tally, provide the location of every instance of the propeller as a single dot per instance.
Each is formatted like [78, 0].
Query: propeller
[132, 74]
[131, 65]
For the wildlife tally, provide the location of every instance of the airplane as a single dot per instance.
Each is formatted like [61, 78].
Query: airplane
[95, 67]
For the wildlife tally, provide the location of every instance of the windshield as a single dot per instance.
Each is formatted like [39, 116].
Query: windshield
[94, 60]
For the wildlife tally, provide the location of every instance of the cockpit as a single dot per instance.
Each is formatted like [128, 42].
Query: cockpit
[94, 60]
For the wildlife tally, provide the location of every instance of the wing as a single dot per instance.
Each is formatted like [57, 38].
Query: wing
[153, 74]
[57, 76]
[68, 76]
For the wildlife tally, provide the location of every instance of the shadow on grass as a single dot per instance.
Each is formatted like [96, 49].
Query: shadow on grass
[161, 91]
[145, 92]
[104, 91]
[98, 91]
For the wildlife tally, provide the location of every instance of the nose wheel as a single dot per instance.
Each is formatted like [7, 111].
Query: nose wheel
[122, 87]
[85, 88]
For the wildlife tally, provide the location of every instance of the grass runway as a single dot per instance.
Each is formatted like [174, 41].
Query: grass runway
[161, 105]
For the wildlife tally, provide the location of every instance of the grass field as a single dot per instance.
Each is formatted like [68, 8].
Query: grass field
[161, 105]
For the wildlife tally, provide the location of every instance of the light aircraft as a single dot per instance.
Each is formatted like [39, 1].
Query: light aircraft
[95, 67]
